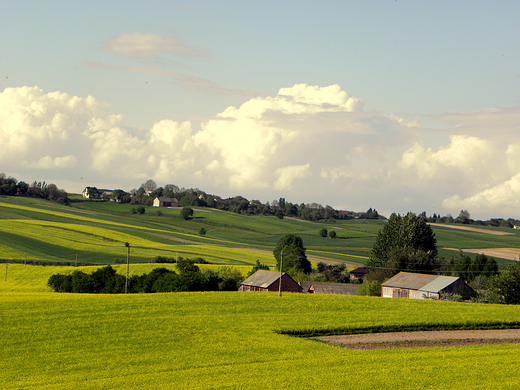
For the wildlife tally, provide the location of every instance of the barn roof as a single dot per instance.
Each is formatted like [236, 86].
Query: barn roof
[165, 199]
[421, 282]
[439, 284]
[335, 288]
[361, 271]
[262, 278]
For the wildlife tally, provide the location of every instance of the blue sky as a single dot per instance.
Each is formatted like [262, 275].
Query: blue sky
[398, 105]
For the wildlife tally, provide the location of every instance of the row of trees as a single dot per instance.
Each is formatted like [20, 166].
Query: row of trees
[12, 187]
[149, 190]
[464, 218]
[188, 277]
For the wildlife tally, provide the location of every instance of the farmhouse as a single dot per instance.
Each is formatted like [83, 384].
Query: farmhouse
[422, 286]
[328, 288]
[269, 281]
[94, 193]
[163, 201]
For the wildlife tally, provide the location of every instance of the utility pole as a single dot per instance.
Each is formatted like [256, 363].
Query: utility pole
[127, 265]
[281, 268]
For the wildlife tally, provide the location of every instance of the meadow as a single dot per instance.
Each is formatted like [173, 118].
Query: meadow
[231, 341]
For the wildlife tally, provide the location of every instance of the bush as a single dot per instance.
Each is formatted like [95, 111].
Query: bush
[370, 287]
[186, 213]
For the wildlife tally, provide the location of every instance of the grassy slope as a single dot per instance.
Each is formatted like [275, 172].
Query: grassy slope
[228, 341]
[96, 233]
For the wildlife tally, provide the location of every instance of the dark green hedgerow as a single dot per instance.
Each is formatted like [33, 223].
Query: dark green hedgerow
[399, 328]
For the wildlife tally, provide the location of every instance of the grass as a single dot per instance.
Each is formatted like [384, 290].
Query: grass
[95, 232]
[230, 341]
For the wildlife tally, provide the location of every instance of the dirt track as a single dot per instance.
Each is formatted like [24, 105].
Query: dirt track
[423, 339]
[472, 229]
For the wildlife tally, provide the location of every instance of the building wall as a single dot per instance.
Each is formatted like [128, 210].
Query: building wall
[394, 292]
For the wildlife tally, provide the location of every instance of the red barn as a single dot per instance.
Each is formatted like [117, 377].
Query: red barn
[269, 281]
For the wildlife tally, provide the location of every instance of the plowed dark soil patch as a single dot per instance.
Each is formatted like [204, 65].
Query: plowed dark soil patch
[424, 339]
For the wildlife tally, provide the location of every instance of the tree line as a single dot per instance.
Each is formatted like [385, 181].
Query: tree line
[188, 277]
[37, 189]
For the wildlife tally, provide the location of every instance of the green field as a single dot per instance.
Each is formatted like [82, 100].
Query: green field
[95, 233]
[230, 341]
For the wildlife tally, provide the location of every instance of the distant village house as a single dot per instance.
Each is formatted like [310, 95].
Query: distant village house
[358, 273]
[94, 193]
[163, 201]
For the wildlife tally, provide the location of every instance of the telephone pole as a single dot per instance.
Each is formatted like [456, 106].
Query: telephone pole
[127, 265]
[281, 268]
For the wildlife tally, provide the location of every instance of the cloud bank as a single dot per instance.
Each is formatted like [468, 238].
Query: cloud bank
[306, 143]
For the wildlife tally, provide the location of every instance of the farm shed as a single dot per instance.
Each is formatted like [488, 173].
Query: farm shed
[422, 286]
[163, 201]
[358, 273]
[269, 281]
[328, 288]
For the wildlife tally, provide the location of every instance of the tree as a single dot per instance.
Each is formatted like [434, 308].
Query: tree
[186, 266]
[507, 284]
[202, 231]
[149, 185]
[323, 232]
[404, 244]
[256, 267]
[186, 213]
[279, 213]
[463, 217]
[291, 248]
[332, 234]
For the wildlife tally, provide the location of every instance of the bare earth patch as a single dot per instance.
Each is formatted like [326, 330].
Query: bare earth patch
[472, 229]
[446, 338]
[503, 253]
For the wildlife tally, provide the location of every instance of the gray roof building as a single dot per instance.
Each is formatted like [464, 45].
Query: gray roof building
[423, 286]
[329, 288]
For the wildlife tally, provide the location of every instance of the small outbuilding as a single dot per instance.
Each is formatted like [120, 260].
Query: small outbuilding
[269, 281]
[329, 288]
[423, 286]
[163, 201]
[358, 273]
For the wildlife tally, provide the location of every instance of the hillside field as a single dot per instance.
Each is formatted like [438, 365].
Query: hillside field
[96, 232]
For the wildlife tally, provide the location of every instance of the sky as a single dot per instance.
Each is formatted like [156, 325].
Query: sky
[394, 105]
